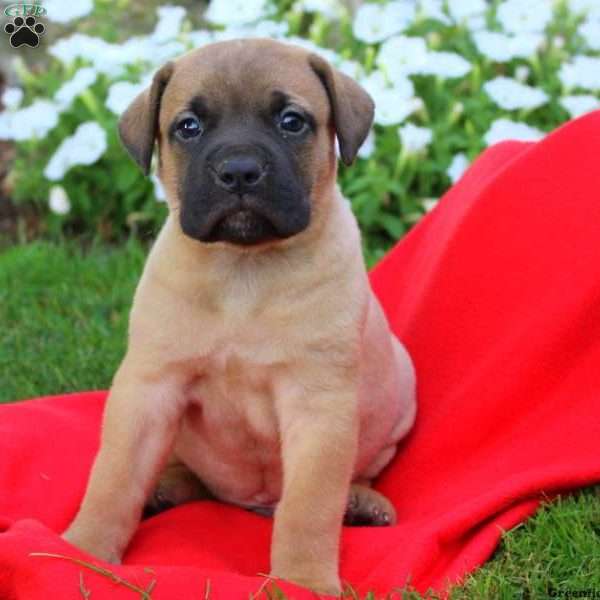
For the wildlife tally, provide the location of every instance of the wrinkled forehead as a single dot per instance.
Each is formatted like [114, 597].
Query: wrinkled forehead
[244, 76]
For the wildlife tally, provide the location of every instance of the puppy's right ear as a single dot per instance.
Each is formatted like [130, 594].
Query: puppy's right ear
[138, 126]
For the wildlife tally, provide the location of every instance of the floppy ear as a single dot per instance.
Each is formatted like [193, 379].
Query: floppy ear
[352, 108]
[138, 126]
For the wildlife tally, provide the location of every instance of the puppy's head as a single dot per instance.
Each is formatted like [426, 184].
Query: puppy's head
[246, 133]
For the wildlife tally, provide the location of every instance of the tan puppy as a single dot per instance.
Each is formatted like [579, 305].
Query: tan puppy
[260, 367]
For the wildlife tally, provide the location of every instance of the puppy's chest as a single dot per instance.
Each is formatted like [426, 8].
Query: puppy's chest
[240, 363]
[233, 404]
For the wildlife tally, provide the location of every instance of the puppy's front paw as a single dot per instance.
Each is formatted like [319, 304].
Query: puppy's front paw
[321, 584]
[98, 546]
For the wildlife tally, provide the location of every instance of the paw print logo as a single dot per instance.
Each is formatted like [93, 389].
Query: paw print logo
[24, 31]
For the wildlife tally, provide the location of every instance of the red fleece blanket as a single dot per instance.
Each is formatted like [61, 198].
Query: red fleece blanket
[496, 294]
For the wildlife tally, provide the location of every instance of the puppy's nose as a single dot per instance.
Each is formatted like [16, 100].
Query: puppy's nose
[239, 173]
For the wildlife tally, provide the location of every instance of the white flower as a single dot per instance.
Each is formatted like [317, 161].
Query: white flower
[89, 142]
[368, 146]
[236, 12]
[582, 72]
[326, 53]
[106, 58]
[445, 64]
[161, 53]
[58, 165]
[579, 105]
[84, 147]
[512, 95]
[78, 45]
[433, 9]
[332, 9]
[590, 31]
[262, 29]
[6, 126]
[505, 129]
[121, 95]
[80, 82]
[36, 120]
[591, 8]
[58, 200]
[518, 16]
[159, 190]
[271, 29]
[558, 41]
[522, 73]
[169, 23]
[400, 56]
[476, 23]
[12, 98]
[60, 11]
[429, 203]
[376, 22]
[200, 38]
[503, 48]
[112, 59]
[459, 164]
[458, 108]
[462, 10]
[32, 122]
[414, 139]
[351, 68]
[393, 110]
[393, 103]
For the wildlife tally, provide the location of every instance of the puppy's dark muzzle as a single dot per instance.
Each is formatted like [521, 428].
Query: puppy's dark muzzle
[239, 174]
[244, 227]
[244, 198]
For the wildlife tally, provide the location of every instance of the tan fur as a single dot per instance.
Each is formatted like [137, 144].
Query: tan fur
[269, 371]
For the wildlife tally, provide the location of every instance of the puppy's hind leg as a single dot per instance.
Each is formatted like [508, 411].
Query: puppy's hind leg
[176, 485]
[367, 507]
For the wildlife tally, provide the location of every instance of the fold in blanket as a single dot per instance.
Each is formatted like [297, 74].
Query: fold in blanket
[496, 293]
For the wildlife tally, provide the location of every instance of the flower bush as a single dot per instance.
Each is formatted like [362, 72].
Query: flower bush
[449, 77]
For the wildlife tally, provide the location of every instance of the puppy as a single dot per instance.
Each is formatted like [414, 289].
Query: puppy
[260, 367]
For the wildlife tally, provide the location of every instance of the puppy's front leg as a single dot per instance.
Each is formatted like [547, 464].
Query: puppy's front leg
[319, 443]
[140, 421]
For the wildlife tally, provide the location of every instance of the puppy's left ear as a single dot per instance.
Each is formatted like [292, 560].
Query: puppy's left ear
[351, 107]
[138, 126]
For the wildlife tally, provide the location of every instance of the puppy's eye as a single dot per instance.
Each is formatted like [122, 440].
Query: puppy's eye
[188, 128]
[292, 122]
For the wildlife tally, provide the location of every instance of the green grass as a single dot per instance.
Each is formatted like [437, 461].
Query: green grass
[557, 549]
[63, 312]
[64, 316]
